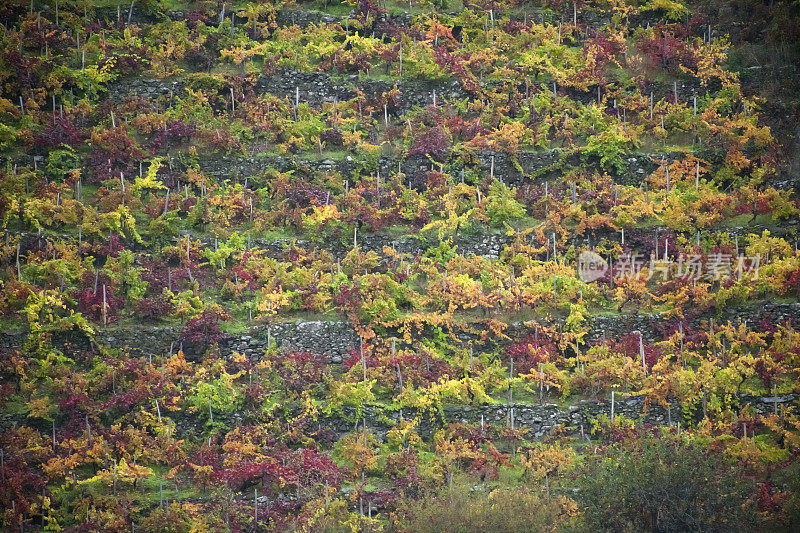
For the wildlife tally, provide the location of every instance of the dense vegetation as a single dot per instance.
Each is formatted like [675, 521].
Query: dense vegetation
[220, 167]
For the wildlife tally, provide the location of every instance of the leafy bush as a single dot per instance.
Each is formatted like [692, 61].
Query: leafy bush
[502, 510]
[434, 142]
[660, 483]
[61, 162]
[610, 146]
[502, 205]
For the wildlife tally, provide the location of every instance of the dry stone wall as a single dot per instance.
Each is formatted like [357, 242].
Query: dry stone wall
[333, 340]
[539, 420]
[535, 421]
[319, 87]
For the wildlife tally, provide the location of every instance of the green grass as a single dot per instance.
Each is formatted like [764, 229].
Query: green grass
[329, 8]
[240, 322]
[152, 485]
[169, 5]
[277, 234]
[746, 220]
[447, 6]
[316, 155]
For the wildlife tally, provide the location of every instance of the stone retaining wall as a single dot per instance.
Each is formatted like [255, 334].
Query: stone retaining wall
[524, 168]
[535, 421]
[486, 245]
[333, 340]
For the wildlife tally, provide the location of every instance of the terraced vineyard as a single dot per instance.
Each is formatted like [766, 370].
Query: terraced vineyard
[399, 266]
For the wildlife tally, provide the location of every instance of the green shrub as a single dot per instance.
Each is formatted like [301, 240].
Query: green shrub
[501, 204]
[463, 510]
[660, 483]
[610, 146]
